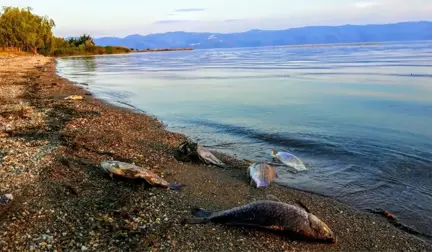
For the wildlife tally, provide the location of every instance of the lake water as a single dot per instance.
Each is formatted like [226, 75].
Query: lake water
[360, 117]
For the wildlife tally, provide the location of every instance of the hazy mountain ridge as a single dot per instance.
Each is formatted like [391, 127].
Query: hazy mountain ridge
[403, 31]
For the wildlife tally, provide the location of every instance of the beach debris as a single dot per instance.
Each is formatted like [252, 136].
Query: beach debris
[393, 220]
[288, 159]
[74, 97]
[5, 199]
[133, 171]
[189, 151]
[261, 174]
[186, 152]
[271, 214]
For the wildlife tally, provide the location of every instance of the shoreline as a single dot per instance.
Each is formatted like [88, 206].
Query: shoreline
[51, 148]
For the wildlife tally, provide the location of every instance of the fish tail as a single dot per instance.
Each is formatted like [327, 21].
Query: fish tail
[175, 186]
[199, 212]
[200, 216]
[195, 220]
[262, 184]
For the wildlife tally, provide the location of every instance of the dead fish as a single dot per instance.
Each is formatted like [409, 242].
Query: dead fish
[269, 214]
[208, 157]
[133, 172]
[261, 174]
[288, 159]
[5, 199]
[74, 97]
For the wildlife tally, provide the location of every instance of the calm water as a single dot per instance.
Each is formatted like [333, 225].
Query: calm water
[359, 117]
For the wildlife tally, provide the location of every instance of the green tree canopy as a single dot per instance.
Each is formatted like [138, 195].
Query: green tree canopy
[22, 29]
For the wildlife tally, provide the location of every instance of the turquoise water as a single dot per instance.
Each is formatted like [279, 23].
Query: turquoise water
[359, 117]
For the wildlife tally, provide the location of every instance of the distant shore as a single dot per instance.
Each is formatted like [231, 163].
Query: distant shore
[336, 44]
[164, 50]
[50, 151]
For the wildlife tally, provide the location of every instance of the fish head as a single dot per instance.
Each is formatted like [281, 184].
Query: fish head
[320, 229]
[108, 165]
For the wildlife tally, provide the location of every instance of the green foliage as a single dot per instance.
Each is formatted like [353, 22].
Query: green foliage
[92, 50]
[21, 30]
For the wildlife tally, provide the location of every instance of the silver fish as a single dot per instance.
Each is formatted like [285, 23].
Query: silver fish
[5, 199]
[261, 174]
[269, 214]
[208, 157]
[289, 160]
[133, 172]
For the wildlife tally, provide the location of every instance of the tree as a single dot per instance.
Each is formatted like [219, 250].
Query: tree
[22, 29]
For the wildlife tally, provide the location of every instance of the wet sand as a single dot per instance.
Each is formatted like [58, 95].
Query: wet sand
[50, 149]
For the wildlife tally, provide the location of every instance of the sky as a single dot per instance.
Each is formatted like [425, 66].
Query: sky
[121, 18]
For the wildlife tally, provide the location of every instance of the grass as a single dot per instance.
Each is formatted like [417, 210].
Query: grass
[94, 50]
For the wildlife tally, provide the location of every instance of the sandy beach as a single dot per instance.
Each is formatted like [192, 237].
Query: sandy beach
[50, 150]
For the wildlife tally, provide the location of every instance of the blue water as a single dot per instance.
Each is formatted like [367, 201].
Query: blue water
[360, 117]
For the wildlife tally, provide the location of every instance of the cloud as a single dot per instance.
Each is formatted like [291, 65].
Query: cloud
[189, 10]
[233, 20]
[170, 21]
[365, 4]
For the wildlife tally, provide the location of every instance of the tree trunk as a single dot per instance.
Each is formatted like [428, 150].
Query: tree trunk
[34, 50]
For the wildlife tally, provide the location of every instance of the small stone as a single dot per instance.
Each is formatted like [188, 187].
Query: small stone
[84, 248]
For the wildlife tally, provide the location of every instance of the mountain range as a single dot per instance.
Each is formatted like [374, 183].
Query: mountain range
[404, 31]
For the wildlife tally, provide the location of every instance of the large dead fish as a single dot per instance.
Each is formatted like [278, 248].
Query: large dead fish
[208, 157]
[288, 159]
[133, 172]
[261, 174]
[270, 214]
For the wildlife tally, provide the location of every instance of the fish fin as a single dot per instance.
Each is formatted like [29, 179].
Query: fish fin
[300, 204]
[199, 212]
[273, 153]
[251, 182]
[175, 186]
[272, 197]
[195, 220]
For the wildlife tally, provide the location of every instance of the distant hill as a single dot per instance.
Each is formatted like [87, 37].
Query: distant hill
[404, 31]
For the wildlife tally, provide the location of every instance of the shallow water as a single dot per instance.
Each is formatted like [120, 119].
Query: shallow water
[359, 117]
